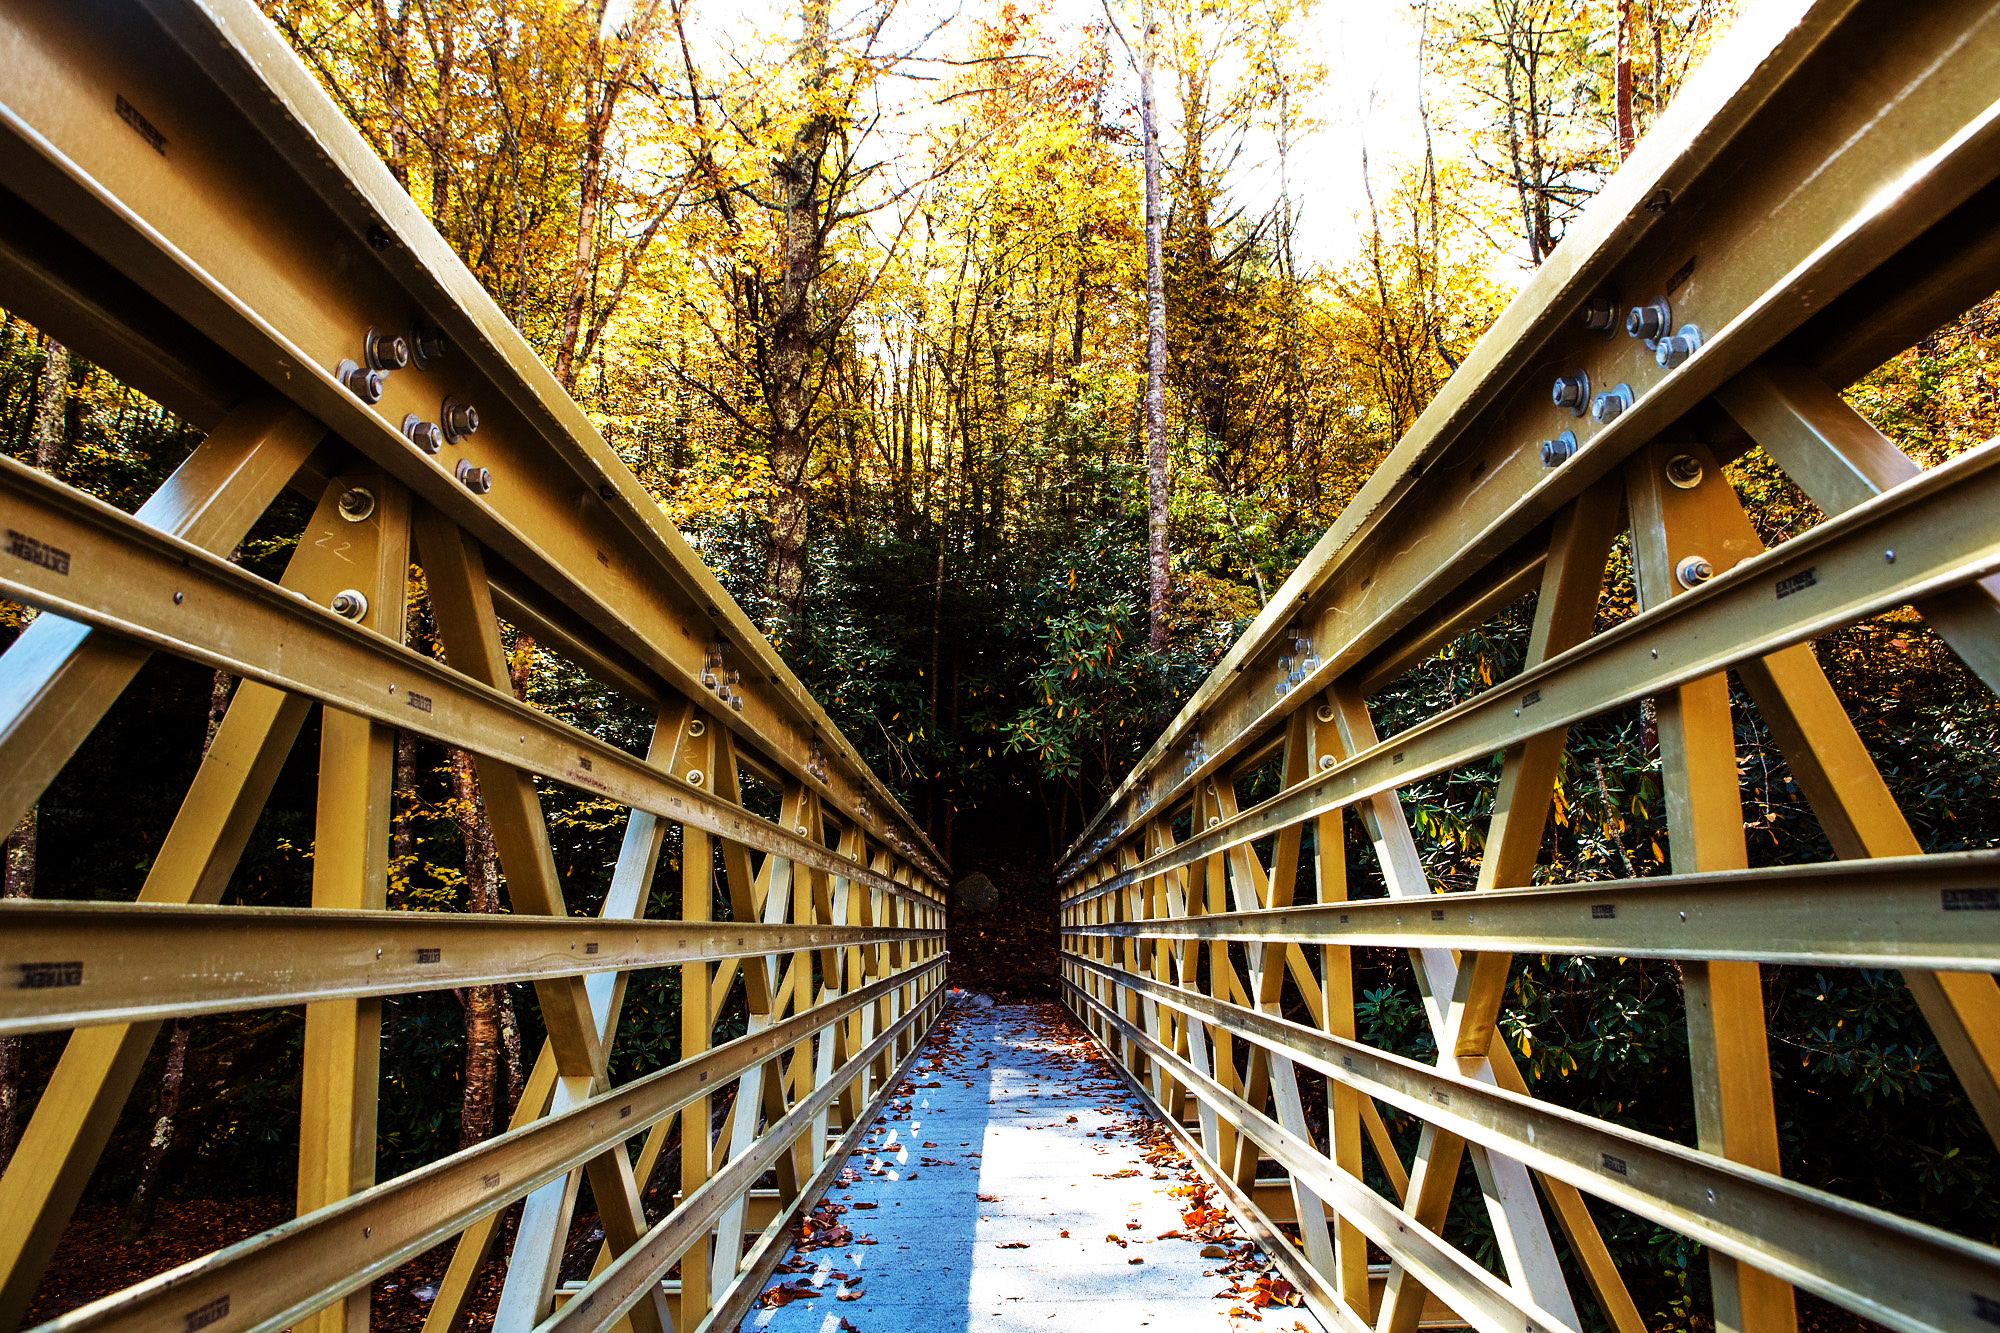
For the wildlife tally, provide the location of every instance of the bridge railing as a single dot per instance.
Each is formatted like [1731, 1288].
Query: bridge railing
[1820, 197]
[186, 207]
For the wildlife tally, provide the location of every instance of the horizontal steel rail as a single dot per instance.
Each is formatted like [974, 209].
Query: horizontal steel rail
[1819, 197]
[221, 616]
[1897, 1272]
[297, 1267]
[76, 964]
[1938, 912]
[1938, 527]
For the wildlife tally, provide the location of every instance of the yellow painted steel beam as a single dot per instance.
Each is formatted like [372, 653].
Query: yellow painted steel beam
[1930, 535]
[625, 1281]
[1486, 1302]
[1898, 1272]
[294, 1268]
[148, 587]
[1940, 912]
[69, 964]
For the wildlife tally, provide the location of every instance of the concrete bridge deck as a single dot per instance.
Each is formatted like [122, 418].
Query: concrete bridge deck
[1018, 1185]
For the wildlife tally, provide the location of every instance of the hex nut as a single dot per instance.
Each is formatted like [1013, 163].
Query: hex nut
[458, 419]
[363, 383]
[1671, 352]
[1610, 405]
[1684, 471]
[1572, 392]
[349, 604]
[385, 351]
[476, 479]
[1649, 321]
[1558, 451]
[427, 345]
[356, 503]
[426, 435]
[1600, 316]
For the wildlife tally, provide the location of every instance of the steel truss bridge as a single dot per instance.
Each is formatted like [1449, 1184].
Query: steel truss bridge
[185, 206]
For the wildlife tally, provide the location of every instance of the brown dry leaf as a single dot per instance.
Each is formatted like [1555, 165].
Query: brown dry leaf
[1135, 1259]
[863, 1204]
[1115, 1239]
[849, 1294]
[1065, 1233]
[786, 1294]
[1012, 1245]
[989, 1198]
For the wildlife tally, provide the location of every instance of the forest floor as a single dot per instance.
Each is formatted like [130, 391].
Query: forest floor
[1006, 950]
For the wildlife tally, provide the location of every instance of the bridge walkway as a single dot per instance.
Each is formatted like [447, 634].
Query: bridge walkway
[1016, 1183]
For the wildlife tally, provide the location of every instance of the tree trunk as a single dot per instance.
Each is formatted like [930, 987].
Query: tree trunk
[482, 1023]
[166, 1109]
[394, 35]
[792, 334]
[1157, 478]
[1622, 80]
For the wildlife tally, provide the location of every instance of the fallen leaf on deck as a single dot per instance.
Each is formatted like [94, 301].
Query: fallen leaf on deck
[786, 1294]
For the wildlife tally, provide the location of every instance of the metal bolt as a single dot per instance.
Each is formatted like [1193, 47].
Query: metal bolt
[477, 479]
[1600, 316]
[1693, 570]
[362, 383]
[1889, 556]
[459, 419]
[1684, 471]
[1649, 321]
[694, 778]
[356, 503]
[179, 597]
[426, 344]
[1684, 916]
[697, 728]
[1326, 761]
[1572, 392]
[1670, 352]
[350, 603]
[1608, 407]
[1324, 713]
[426, 435]
[385, 351]
[1556, 452]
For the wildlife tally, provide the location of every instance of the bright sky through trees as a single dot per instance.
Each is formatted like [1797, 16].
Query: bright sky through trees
[1367, 97]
